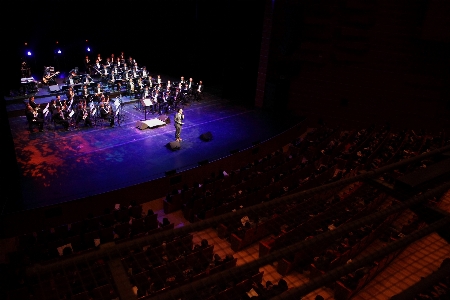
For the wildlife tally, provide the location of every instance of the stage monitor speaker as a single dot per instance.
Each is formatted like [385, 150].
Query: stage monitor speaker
[164, 119]
[53, 88]
[141, 125]
[174, 145]
[207, 136]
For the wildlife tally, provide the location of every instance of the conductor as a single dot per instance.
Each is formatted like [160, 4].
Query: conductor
[179, 117]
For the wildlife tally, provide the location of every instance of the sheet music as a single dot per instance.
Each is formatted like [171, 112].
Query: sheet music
[147, 102]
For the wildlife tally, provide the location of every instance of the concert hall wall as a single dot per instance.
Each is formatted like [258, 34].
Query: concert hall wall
[371, 62]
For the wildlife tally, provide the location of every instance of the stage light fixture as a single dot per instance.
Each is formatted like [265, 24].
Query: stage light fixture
[29, 53]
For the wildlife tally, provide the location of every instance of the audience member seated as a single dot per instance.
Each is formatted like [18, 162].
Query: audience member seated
[203, 245]
[164, 222]
[217, 260]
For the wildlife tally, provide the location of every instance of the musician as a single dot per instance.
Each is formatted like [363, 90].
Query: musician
[98, 92]
[191, 84]
[105, 71]
[105, 74]
[126, 75]
[85, 92]
[144, 73]
[167, 101]
[70, 80]
[107, 102]
[58, 101]
[25, 70]
[125, 68]
[32, 103]
[199, 91]
[145, 93]
[97, 67]
[130, 87]
[87, 65]
[52, 106]
[151, 82]
[66, 109]
[156, 99]
[49, 76]
[111, 80]
[59, 118]
[135, 73]
[107, 63]
[184, 89]
[33, 118]
[46, 73]
[119, 63]
[139, 85]
[177, 97]
[83, 114]
[169, 85]
[159, 80]
[130, 62]
[122, 57]
[178, 120]
[115, 71]
[182, 81]
[70, 94]
[87, 79]
[106, 114]
[99, 58]
[112, 58]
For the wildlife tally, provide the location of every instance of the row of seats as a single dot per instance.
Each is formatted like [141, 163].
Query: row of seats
[244, 179]
[86, 235]
[82, 281]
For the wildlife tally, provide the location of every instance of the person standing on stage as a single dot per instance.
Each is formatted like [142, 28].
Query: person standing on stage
[179, 117]
[198, 93]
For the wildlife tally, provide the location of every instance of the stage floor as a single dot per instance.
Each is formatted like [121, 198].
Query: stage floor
[57, 166]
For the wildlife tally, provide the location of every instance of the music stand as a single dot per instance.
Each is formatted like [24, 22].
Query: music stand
[145, 102]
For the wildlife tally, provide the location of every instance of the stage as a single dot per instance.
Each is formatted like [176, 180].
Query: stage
[57, 166]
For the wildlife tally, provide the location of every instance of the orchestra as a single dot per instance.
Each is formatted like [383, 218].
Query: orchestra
[87, 96]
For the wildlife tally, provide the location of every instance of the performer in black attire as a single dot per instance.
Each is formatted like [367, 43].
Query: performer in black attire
[178, 120]
[199, 91]
[106, 114]
[83, 115]
[85, 92]
[33, 104]
[59, 118]
[87, 65]
[33, 118]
